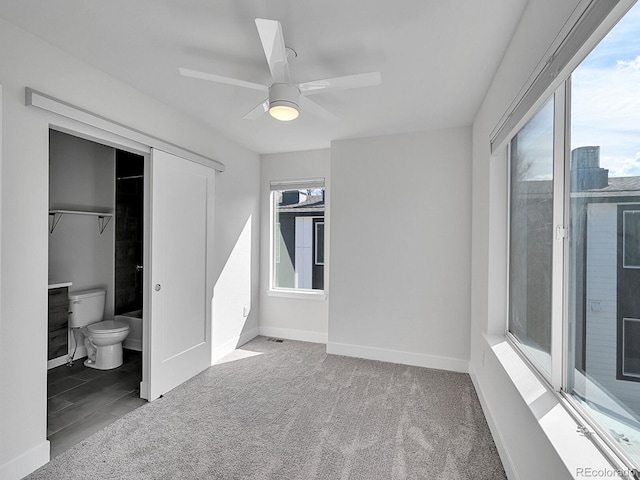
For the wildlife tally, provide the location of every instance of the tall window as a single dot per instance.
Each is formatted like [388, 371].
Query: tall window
[596, 362]
[298, 235]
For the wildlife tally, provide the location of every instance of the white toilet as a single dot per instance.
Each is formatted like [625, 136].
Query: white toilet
[103, 338]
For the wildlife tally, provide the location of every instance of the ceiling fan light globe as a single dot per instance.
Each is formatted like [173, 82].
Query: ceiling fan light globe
[283, 101]
[284, 113]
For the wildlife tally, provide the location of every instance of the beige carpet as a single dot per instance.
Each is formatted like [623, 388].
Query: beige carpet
[290, 411]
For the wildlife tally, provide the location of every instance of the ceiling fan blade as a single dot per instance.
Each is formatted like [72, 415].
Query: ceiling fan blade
[259, 110]
[270, 32]
[312, 107]
[220, 79]
[341, 83]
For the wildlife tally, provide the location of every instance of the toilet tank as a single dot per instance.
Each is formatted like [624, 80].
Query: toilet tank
[86, 307]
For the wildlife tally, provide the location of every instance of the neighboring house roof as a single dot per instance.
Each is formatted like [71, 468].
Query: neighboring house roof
[617, 187]
[535, 188]
[313, 203]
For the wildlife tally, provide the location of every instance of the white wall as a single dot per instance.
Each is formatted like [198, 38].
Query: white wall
[28, 61]
[237, 245]
[82, 177]
[534, 434]
[294, 318]
[400, 248]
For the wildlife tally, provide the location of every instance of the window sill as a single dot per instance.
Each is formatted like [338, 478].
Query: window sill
[551, 411]
[307, 294]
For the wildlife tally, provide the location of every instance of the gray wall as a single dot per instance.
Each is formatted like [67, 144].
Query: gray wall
[82, 177]
[401, 248]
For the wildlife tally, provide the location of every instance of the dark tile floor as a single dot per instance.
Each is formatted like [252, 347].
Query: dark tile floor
[82, 400]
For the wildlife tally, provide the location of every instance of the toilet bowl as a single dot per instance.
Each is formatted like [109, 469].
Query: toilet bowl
[102, 338]
[104, 344]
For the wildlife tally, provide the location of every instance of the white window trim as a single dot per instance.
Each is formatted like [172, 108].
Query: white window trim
[297, 293]
[274, 291]
[560, 258]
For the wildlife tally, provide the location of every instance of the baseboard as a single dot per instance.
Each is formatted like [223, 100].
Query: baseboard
[507, 463]
[131, 344]
[56, 362]
[395, 356]
[229, 346]
[248, 336]
[81, 352]
[292, 334]
[26, 463]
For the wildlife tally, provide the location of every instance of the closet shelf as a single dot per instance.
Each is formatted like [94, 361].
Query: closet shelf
[56, 215]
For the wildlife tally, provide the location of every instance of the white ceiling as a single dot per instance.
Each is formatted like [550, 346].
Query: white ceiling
[436, 58]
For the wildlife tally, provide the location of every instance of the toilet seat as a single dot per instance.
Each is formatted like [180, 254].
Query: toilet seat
[108, 326]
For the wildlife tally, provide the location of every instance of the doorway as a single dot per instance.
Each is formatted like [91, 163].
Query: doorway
[178, 281]
[96, 241]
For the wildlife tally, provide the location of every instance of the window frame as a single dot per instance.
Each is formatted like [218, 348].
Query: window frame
[555, 377]
[274, 257]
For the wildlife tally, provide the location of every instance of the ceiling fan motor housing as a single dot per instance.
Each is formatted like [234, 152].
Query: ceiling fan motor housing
[284, 95]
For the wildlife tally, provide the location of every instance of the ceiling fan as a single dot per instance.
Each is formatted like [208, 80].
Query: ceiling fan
[285, 98]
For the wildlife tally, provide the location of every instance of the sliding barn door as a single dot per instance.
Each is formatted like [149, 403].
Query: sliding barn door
[180, 278]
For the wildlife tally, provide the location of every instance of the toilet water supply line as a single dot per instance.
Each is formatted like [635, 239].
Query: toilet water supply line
[75, 347]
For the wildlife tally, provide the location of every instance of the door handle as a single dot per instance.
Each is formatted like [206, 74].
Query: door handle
[157, 287]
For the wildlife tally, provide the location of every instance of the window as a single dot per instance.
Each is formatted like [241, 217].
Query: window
[530, 246]
[575, 196]
[319, 239]
[298, 235]
[631, 347]
[631, 239]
